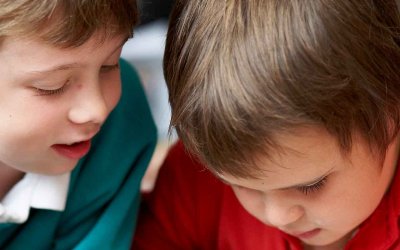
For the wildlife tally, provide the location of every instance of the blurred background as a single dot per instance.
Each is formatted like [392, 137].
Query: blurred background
[145, 52]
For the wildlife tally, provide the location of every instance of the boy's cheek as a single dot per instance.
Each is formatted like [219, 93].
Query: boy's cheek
[112, 93]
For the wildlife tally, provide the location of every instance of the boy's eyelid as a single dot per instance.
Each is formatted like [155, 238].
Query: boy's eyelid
[42, 91]
[311, 183]
[314, 187]
[109, 67]
[50, 81]
[308, 185]
[49, 87]
[315, 182]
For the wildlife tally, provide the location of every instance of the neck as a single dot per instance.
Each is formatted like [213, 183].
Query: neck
[328, 247]
[8, 178]
[323, 247]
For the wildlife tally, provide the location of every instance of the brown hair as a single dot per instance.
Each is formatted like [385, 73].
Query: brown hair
[67, 23]
[241, 71]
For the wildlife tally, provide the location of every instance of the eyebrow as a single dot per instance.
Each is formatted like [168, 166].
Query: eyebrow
[309, 183]
[55, 68]
[69, 66]
[305, 184]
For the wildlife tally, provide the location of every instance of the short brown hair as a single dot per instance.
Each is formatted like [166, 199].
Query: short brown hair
[67, 23]
[241, 71]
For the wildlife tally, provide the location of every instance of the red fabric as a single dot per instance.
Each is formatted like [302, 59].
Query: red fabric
[191, 209]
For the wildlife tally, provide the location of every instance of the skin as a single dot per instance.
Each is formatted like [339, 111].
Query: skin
[52, 96]
[313, 186]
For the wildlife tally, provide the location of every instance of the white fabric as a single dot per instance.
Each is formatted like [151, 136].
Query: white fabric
[34, 191]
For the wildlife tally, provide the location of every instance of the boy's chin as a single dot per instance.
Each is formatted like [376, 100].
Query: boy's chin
[336, 243]
[59, 169]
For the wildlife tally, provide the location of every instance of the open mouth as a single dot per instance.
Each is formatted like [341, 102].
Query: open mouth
[74, 151]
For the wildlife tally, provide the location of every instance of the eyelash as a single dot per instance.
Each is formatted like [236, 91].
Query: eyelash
[314, 187]
[108, 68]
[47, 92]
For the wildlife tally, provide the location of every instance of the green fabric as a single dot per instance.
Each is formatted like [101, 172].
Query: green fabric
[103, 197]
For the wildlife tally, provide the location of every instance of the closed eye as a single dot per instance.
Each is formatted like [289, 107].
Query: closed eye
[50, 92]
[108, 68]
[313, 187]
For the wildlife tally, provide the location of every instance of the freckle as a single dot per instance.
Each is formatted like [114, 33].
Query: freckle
[10, 116]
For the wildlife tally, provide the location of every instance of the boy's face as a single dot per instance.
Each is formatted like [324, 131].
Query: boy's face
[312, 191]
[53, 101]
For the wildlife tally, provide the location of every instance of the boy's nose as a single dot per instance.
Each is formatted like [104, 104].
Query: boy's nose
[279, 214]
[89, 107]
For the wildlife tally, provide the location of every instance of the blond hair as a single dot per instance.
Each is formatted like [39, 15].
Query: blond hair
[240, 72]
[67, 23]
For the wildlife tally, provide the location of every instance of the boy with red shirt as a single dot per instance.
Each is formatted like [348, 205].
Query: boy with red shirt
[295, 106]
[191, 209]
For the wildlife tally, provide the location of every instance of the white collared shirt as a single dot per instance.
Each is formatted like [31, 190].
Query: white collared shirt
[34, 191]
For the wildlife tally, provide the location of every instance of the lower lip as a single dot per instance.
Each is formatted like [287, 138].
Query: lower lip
[309, 234]
[74, 151]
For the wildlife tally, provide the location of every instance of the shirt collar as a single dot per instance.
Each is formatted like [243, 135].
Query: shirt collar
[34, 191]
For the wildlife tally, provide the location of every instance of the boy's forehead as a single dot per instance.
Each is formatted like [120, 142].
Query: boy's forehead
[27, 57]
[35, 45]
[302, 158]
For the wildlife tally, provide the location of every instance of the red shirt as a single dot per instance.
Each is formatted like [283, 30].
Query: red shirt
[191, 209]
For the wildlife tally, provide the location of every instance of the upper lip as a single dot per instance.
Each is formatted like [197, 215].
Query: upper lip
[79, 140]
[298, 233]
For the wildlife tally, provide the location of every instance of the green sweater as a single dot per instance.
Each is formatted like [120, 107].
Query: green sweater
[103, 196]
